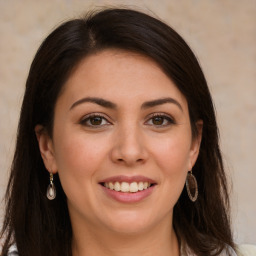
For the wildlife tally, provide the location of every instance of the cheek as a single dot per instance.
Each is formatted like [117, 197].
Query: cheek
[172, 158]
[78, 158]
[78, 153]
[173, 154]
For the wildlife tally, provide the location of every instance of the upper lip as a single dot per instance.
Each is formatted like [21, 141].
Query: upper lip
[128, 179]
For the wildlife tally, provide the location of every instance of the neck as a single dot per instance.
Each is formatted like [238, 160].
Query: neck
[160, 240]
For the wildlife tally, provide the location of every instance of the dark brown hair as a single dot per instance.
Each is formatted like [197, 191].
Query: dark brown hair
[41, 227]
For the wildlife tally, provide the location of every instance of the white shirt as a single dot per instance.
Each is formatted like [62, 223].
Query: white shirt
[243, 250]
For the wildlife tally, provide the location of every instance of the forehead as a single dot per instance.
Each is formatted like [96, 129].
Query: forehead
[118, 75]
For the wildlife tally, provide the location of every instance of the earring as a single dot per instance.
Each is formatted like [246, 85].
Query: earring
[191, 185]
[51, 190]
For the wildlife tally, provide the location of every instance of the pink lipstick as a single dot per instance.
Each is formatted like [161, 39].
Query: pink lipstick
[128, 189]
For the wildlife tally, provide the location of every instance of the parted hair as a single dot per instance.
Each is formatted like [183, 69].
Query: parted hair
[42, 227]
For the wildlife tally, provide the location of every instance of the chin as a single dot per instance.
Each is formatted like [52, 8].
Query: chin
[129, 228]
[129, 223]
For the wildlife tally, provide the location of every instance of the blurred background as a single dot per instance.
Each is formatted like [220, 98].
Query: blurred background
[221, 33]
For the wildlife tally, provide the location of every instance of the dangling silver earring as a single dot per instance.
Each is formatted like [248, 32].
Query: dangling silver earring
[191, 185]
[51, 190]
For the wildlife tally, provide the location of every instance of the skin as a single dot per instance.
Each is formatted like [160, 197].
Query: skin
[126, 140]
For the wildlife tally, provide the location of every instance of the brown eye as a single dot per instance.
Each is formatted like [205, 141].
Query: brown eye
[97, 120]
[158, 120]
[94, 121]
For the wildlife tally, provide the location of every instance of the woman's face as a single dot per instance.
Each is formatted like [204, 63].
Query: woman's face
[122, 143]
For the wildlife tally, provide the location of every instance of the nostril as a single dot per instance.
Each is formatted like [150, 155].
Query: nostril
[137, 161]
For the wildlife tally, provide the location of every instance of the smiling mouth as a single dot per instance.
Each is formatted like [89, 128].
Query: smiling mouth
[126, 187]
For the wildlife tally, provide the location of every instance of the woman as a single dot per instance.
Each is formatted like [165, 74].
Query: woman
[117, 150]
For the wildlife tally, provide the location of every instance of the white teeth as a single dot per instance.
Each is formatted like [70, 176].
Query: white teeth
[126, 187]
[134, 187]
[141, 186]
[111, 185]
[145, 185]
[117, 186]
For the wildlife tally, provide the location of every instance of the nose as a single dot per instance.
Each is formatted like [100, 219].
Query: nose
[129, 148]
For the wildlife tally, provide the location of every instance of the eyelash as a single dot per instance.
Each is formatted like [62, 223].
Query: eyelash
[166, 118]
[91, 116]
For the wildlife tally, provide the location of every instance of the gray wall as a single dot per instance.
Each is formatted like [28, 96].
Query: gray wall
[223, 35]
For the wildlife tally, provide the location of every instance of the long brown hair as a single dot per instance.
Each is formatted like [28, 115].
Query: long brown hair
[41, 227]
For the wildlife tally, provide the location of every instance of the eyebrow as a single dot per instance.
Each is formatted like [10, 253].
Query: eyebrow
[111, 105]
[99, 101]
[153, 103]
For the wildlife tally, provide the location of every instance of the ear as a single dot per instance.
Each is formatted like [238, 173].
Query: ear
[195, 145]
[46, 148]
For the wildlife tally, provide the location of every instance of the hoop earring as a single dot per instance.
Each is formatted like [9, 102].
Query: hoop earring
[51, 190]
[191, 185]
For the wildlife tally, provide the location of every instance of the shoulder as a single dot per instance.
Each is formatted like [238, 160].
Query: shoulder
[241, 250]
[13, 251]
[246, 250]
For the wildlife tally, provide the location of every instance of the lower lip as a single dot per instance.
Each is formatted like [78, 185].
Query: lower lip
[128, 197]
